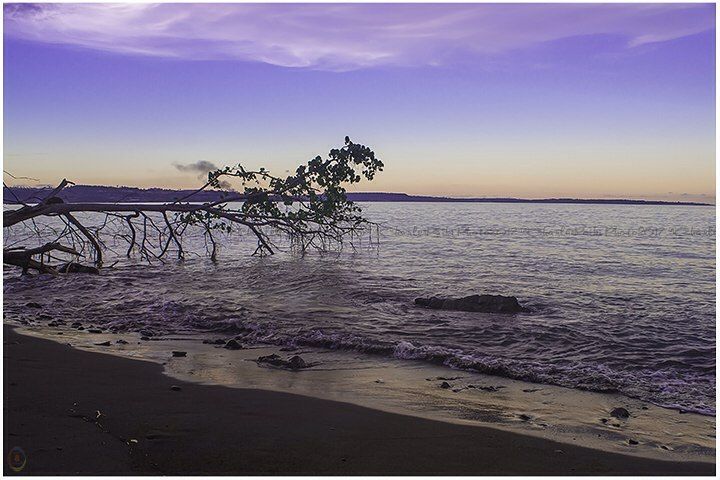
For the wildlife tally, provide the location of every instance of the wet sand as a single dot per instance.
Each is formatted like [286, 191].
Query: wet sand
[53, 394]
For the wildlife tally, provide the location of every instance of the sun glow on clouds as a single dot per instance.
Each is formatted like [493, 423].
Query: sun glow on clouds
[342, 37]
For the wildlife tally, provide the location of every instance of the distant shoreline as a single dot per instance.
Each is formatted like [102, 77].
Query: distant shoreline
[106, 194]
[402, 197]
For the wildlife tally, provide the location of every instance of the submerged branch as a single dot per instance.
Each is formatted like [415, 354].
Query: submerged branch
[23, 258]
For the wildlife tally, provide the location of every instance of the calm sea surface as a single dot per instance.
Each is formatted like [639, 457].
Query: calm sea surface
[622, 298]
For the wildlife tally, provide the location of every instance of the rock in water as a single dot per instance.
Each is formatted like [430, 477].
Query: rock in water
[33, 305]
[474, 303]
[178, 353]
[620, 413]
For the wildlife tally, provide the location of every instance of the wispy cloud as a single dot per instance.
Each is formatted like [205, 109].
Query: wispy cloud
[201, 167]
[343, 36]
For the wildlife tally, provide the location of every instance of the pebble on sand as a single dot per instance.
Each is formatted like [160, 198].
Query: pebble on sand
[178, 353]
[620, 412]
[294, 363]
[489, 388]
[233, 345]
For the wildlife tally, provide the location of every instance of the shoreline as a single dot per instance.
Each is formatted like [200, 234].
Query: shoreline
[53, 393]
[415, 388]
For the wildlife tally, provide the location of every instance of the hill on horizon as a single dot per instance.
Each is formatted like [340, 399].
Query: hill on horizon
[108, 194]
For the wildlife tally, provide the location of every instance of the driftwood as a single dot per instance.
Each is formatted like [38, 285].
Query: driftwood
[317, 214]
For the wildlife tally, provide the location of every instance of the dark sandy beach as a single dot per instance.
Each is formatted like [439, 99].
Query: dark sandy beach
[53, 394]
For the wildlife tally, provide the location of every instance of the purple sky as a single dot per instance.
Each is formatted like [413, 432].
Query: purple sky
[466, 99]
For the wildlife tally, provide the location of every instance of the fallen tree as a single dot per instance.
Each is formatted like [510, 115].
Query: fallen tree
[309, 207]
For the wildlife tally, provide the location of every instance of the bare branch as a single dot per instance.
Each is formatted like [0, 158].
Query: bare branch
[89, 236]
[310, 207]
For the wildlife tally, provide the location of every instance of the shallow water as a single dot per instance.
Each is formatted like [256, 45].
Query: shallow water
[622, 298]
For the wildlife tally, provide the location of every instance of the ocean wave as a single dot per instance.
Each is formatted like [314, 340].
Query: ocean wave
[663, 388]
[667, 385]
